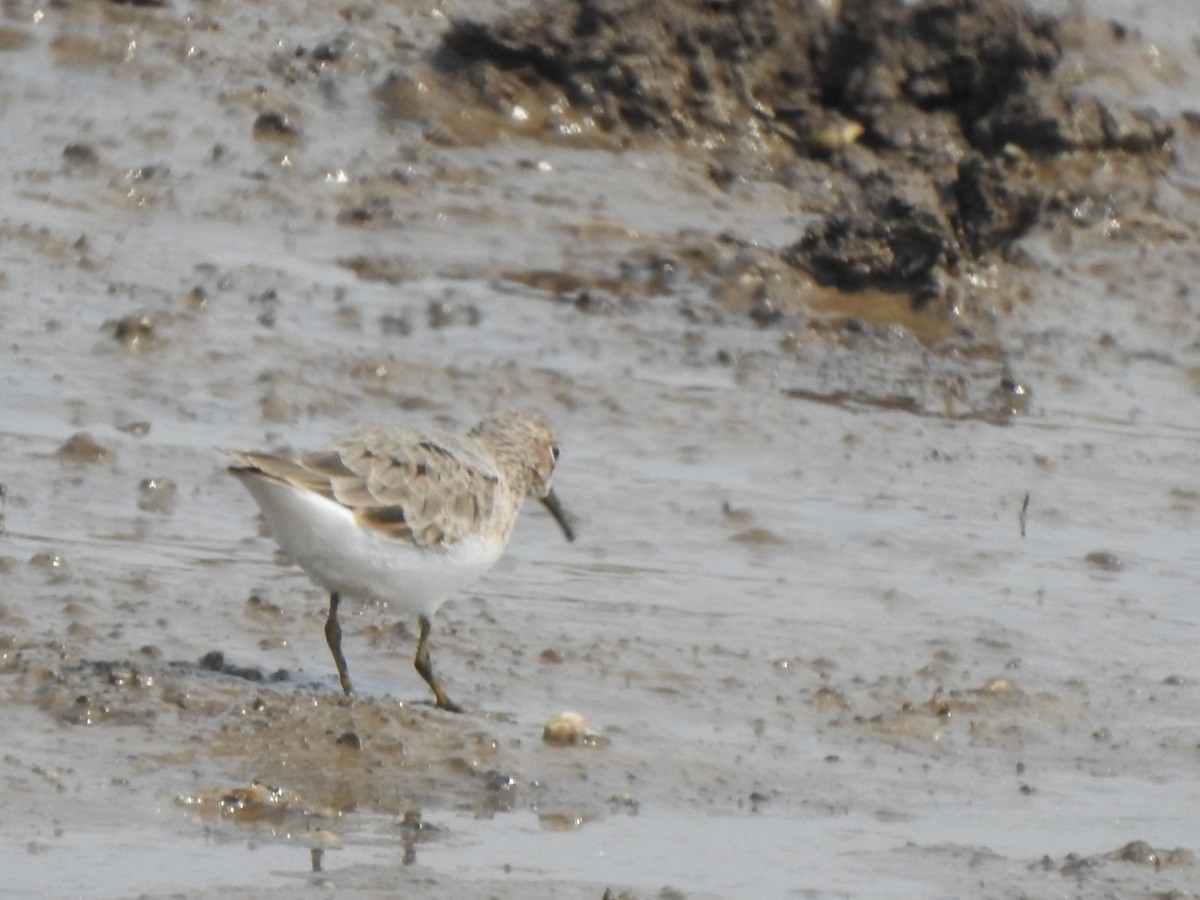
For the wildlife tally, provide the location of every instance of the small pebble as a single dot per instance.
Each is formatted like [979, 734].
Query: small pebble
[157, 495]
[82, 449]
[568, 729]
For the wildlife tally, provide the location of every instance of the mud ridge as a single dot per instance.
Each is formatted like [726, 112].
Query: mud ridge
[945, 126]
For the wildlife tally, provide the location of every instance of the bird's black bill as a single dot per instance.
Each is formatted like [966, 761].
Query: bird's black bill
[550, 501]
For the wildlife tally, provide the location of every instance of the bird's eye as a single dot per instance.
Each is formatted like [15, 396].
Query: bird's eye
[554, 452]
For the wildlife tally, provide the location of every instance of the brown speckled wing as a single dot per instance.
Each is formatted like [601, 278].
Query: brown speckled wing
[427, 488]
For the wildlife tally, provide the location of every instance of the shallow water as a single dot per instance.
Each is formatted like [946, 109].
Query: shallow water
[823, 657]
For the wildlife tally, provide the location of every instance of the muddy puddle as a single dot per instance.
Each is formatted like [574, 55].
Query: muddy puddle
[876, 370]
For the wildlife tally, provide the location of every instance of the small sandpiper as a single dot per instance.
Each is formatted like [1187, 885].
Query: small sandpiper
[404, 516]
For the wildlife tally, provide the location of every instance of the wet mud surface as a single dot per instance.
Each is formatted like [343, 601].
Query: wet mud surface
[870, 337]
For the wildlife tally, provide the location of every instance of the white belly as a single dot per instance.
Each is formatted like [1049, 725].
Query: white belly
[326, 541]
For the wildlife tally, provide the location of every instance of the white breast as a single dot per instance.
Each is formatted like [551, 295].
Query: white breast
[325, 540]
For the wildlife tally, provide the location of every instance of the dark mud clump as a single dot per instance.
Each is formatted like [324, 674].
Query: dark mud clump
[943, 126]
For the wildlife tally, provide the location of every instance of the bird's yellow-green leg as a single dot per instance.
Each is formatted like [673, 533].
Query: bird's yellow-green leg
[425, 669]
[333, 636]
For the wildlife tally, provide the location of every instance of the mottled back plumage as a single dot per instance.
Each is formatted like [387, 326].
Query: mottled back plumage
[424, 486]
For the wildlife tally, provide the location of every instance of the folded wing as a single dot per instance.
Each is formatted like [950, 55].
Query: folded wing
[426, 488]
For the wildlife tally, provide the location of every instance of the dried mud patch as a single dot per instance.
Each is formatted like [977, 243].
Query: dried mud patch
[944, 127]
[921, 141]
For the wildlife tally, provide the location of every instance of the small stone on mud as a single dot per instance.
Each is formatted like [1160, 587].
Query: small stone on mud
[275, 408]
[82, 449]
[135, 332]
[49, 561]
[128, 676]
[760, 537]
[443, 314]
[1000, 686]
[625, 803]
[1142, 853]
[196, 299]
[562, 821]
[370, 369]
[80, 155]
[157, 495]
[395, 325]
[413, 824]
[737, 515]
[829, 700]
[570, 729]
[349, 740]
[257, 803]
[495, 780]
[264, 609]
[1105, 561]
[14, 38]
[274, 126]
[757, 799]
[214, 661]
